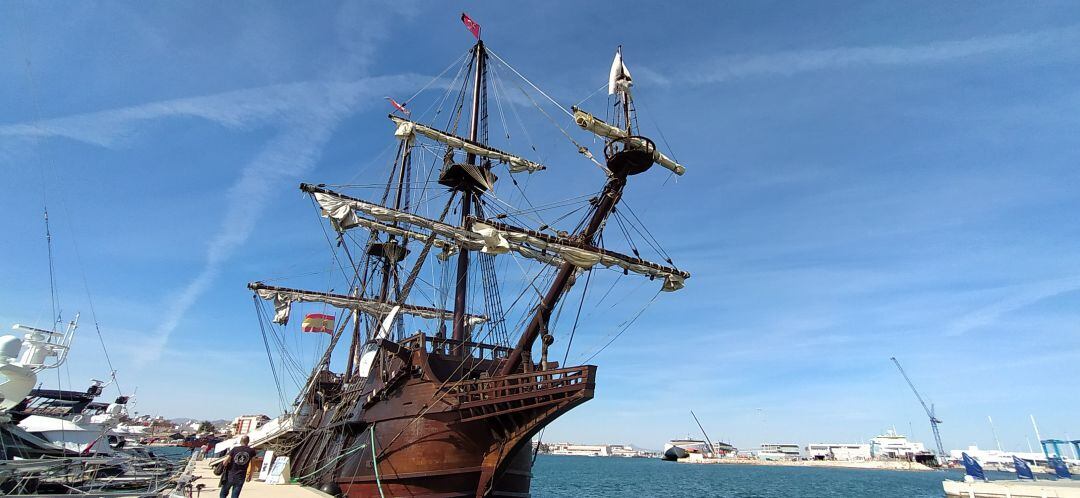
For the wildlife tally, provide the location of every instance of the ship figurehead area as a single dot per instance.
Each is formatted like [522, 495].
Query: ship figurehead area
[437, 387]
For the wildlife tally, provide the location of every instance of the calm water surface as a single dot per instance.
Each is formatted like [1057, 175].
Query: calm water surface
[574, 476]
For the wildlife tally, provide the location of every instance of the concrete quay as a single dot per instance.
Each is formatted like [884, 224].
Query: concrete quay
[202, 474]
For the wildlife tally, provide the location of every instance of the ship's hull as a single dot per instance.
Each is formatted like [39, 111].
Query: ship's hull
[435, 432]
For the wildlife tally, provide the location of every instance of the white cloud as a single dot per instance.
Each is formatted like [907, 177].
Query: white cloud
[306, 114]
[799, 61]
[1022, 296]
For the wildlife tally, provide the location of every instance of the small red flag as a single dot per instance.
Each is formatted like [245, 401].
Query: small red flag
[318, 322]
[400, 107]
[471, 24]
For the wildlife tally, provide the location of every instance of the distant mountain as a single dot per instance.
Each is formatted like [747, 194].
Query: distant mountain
[185, 421]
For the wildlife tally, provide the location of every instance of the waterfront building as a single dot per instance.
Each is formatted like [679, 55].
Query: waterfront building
[779, 451]
[844, 452]
[245, 424]
[722, 449]
[579, 449]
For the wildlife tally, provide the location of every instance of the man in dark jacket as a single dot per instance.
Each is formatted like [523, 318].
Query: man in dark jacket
[236, 468]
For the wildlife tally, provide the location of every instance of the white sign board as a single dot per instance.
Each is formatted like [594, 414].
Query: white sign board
[264, 471]
[279, 471]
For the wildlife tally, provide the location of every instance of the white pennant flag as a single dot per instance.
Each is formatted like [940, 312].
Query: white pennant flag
[619, 80]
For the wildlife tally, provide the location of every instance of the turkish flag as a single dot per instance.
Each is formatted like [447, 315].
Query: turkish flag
[471, 24]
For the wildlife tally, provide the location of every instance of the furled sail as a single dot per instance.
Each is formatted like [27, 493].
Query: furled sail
[407, 129]
[599, 127]
[283, 297]
[345, 211]
[496, 238]
[448, 248]
[499, 237]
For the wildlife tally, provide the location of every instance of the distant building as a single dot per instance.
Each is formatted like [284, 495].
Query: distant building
[844, 452]
[579, 449]
[895, 446]
[245, 424]
[622, 450]
[722, 449]
[779, 451]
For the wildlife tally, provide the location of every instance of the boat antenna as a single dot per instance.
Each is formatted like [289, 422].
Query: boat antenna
[994, 430]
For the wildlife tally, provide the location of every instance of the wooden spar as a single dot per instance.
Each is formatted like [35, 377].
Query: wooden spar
[355, 345]
[467, 199]
[608, 198]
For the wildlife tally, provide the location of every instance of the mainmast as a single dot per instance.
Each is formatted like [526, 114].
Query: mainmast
[468, 197]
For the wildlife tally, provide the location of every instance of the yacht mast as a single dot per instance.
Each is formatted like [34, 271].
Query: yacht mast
[468, 197]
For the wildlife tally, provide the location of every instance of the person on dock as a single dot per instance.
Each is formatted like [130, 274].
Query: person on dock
[236, 467]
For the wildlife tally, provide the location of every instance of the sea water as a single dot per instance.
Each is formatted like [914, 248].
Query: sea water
[579, 476]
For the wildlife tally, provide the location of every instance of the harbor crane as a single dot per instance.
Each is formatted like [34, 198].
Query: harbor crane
[934, 421]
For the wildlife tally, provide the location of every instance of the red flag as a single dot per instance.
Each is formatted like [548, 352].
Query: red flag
[318, 322]
[471, 24]
[400, 107]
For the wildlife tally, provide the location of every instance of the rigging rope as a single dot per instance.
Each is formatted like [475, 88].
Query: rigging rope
[577, 317]
[626, 325]
[269, 356]
[581, 148]
[375, 461]
[568, 113]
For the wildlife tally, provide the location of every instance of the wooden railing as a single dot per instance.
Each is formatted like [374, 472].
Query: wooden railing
[449, 347]
[519, 386]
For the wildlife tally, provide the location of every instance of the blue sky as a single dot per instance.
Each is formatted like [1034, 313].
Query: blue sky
[865, 180]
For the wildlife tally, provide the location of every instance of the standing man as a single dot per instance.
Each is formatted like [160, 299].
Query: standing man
[236, 465]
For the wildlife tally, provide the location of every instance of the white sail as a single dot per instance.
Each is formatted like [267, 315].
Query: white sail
[407, 129]
[503, 238]
[619, 80]
[597, 126]
[284, 297]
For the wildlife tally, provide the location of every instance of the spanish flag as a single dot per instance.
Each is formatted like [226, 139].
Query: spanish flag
[318, 322]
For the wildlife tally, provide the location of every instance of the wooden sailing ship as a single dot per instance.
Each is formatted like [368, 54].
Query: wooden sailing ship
[450, 411]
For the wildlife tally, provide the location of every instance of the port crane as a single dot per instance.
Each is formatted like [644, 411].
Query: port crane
[934, 421]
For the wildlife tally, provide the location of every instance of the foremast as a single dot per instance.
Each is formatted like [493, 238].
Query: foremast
[626, 155]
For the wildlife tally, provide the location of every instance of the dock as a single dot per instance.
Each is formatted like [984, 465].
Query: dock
[853, 464]
[202, 474]
[1012, 489]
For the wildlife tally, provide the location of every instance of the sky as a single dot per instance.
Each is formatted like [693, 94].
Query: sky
[864, 180]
